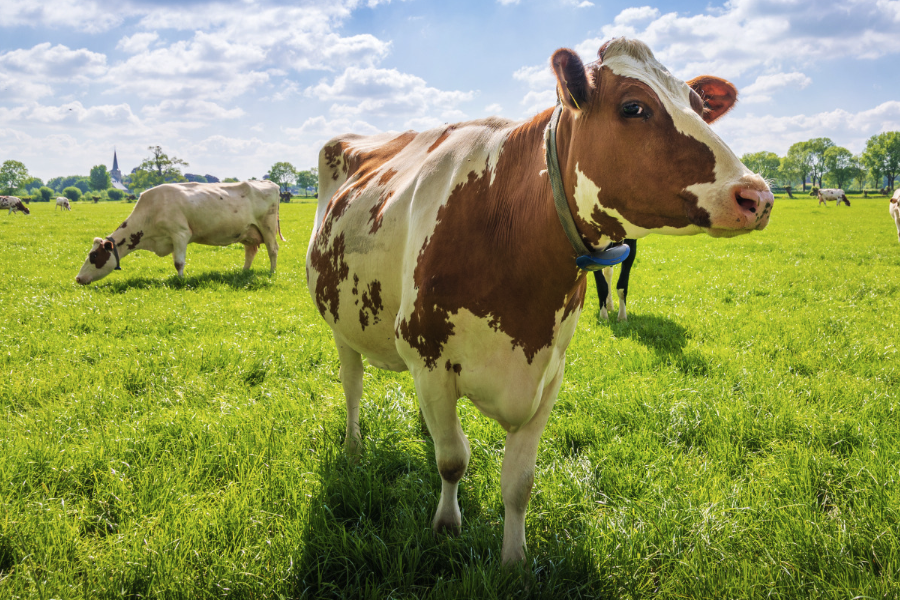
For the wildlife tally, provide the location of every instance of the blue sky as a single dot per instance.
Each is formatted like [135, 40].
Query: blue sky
[233, 87]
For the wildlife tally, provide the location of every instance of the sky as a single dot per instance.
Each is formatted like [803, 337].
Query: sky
[234, 87]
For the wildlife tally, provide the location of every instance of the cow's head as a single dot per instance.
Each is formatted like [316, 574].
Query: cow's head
[100, 262]
[21, 207]
[638, 155]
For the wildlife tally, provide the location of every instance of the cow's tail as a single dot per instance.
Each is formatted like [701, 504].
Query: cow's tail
[278, 221]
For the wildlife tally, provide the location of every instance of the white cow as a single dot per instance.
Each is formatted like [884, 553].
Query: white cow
[832, 194]
[169, 217]
[895, 210]
[62, 202]
[14, 205]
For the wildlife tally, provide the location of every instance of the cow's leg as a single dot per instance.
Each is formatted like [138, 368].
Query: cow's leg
[624, 276]
[352, 382]
[272, 249]
[437, 400]
[179, 253]
[603, 279]
[250, 251]
[517, 473]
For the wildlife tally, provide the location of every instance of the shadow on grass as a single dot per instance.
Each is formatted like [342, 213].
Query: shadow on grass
[368, 535]
[666, 338]
[235, 279]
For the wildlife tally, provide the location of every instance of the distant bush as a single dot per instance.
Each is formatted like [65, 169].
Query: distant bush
[115, 195]
[72, 193]
[46, 193]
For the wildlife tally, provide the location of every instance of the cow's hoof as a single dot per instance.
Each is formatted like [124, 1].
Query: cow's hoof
[442, 528]
[353, 450]
[602, 315]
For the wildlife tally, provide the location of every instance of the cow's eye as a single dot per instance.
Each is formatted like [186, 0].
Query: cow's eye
[633, 109]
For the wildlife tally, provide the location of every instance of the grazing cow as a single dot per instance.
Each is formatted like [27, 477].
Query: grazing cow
[285, 196]
[445, 252]
[169, 217]
[895, 210]
[826, 194]
[62, 202]
[603, 280]
[13, 204]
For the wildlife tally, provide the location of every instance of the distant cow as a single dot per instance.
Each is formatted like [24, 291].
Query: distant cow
[825, 195]
[169, 217]
[62, 202]
[603, 279]
[895, 210]
[13, 204]
[285, 196]
[453, 253]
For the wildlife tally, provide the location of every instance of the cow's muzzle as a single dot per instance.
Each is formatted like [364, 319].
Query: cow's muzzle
[754, 205]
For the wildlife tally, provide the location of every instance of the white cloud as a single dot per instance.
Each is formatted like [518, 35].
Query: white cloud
[322, 129]
[636, 15]
[753, 133]
[55, 63]
[493, 109]
[385, 92]
[191, 109]
[81, 15]
[507, 2]
[761, 89]
[535, 102]
[139, 42]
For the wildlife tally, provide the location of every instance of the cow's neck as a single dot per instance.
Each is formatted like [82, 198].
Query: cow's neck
[129, 236]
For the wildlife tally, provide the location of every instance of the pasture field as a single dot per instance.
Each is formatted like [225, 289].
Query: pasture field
[739, 437]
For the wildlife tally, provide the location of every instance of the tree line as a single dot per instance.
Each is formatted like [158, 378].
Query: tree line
[819, 161]
[157, 168]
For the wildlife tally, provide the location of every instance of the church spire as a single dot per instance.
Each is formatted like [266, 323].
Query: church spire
[115, 174]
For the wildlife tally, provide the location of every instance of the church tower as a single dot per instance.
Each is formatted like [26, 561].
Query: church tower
[115, 174]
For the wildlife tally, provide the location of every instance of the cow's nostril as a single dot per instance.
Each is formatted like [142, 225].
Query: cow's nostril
[747, 203]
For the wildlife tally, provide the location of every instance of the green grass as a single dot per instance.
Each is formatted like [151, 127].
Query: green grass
[739, 437]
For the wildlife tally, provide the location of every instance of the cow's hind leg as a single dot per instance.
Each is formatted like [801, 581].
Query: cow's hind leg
[603, 279]
[352, 382]
[437, 399]
[179, 253]
[517, 473]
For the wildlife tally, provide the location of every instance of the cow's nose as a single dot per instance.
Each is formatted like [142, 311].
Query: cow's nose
[78, 280]
[752, 200]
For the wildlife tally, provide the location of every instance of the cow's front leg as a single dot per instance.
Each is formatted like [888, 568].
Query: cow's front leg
[437, 399]
[250, 251]
[517, 474]
[623, 315]
[179, 254]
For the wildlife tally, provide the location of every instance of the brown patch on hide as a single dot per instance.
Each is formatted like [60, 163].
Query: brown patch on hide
[99, 257]
[135, 240]
[444, 135]
[371, 304]
[497, 251]
[327, 259]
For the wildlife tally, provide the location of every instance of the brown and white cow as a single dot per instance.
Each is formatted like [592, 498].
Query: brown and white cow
[826, 194]
[14, 204]
[441, 252]
[169, 217]
[894, 209]
[62, 202]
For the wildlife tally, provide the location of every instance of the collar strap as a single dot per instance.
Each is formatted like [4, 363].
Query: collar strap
[586, 260]
[559, 194]
[115, 252]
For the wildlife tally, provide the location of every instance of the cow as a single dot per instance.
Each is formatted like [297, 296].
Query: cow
[603, 280]
[168, 217]
[453, 253]
[62, 202]
[826, 194]
[894, 209]
[14, 205]
[285, 196]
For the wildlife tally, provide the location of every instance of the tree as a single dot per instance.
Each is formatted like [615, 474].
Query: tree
[282, 173]
[839, 165]
[115, 195]
[308, 179]
[764, 163]
[46, 193]
[34, 183]
[12, 175]
[789, 170]
[882, 156]
[72, 193]
[798, 160]
[816, 148]
[230, 180]
[99, 179]
[160, 168]
[860, 172]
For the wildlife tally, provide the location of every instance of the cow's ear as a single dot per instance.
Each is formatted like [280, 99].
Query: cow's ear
[719, 96]
[108, 245]
[571, 78]
[98, 241]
